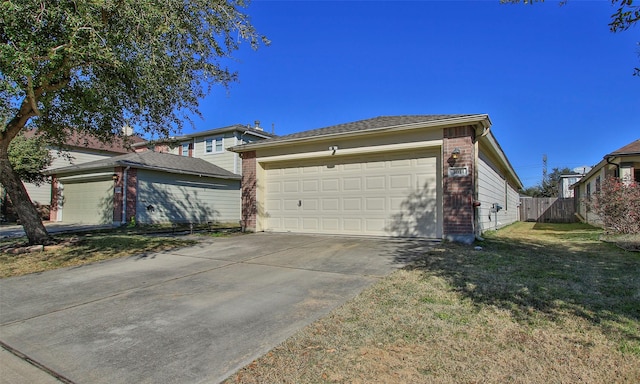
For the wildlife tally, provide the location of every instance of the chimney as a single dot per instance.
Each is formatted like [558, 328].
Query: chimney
[257, 125]
[127, 130]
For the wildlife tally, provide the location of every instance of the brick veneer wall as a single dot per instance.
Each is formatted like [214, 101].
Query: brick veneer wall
[132, 194]
[249, 191]
[55, 196]
[458, 210]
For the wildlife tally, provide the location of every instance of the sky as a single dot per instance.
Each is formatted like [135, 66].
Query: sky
[553, 79]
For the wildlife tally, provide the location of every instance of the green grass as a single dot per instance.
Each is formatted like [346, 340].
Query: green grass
[539, 303]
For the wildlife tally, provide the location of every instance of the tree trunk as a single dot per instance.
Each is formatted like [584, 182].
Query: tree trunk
[27, 212]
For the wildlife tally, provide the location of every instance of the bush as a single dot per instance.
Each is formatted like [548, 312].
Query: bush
[618, 206]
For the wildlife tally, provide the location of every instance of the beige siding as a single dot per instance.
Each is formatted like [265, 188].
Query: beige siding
[494, 189]
[42, 193]
[169, 198]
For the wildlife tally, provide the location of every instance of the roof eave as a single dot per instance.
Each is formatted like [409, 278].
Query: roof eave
[482, 119]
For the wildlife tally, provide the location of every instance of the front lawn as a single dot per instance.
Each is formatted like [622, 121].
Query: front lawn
[540, 303]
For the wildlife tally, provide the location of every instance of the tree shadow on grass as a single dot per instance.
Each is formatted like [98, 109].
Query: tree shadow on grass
[539, 280]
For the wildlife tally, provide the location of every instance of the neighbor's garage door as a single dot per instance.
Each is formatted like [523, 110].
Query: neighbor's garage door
[88, 202]
[374, 195]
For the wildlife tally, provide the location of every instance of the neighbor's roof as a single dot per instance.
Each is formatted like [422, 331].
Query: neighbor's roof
[164, 162]
[81, 140]
[632, 148]
[212, 132]
[380, 123]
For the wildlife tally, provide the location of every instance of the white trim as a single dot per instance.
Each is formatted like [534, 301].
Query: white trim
[86, 176]
[353, 151]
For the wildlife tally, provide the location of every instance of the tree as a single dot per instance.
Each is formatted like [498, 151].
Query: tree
[549, 187]
[29, 157]
[625, 16]
[93, 67]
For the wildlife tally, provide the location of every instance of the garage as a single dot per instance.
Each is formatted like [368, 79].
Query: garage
[89, 201]
[379, 194]
[170, 198]
[416, 176]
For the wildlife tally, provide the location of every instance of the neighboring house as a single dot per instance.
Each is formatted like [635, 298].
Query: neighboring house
[564, 186]
[210, 145]
[429, 176]
[623, 163]
[79, 148]
[149, 187]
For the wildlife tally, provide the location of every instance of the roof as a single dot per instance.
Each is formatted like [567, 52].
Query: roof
[363, 126]
[632, 148]
[164, 162]
[216, 131]
[83, 140]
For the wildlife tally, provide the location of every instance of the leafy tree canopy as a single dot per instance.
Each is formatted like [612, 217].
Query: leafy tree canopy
[94, 66]
[549, 187]
[29, 157]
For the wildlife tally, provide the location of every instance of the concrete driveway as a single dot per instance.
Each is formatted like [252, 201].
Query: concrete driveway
[191, 315]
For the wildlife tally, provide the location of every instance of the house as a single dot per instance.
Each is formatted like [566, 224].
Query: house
[210, 145]
[147, 187]
[79, 148]
[623, 163]
[566, 181]
[427, 176]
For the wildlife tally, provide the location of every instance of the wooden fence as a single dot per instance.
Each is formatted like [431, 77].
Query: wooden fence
[547, 210]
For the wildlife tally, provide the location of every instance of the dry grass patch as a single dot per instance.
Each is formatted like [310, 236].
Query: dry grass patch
[540, 303]
[89, 248]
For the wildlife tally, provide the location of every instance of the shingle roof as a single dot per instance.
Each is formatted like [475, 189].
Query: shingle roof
[211, 132]
[375, 123]
[632, 148]
[155, 161]
[84, 140]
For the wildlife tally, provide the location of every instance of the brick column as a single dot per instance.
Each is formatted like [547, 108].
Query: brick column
[132, 192]
[117, 196]
[249, 191]
[458, 210]
[55, 198]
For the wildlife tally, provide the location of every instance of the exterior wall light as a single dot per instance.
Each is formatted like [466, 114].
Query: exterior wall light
[455, 153]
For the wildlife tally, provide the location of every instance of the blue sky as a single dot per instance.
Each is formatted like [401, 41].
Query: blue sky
[553, 79]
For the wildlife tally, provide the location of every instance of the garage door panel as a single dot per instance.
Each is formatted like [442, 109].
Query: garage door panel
[88, 202]
[373, 195]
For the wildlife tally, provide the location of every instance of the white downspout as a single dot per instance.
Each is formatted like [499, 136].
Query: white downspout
[124, 195]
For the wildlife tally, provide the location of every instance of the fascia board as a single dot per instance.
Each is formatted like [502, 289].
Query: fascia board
[473, 119]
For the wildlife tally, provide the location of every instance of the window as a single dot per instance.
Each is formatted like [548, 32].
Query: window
[213, 145]
[185, 149]
[597, 184]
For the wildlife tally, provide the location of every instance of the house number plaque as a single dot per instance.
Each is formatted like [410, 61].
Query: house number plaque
[458, 171]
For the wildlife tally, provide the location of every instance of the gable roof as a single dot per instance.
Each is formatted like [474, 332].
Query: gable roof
[380, 123]
[164, 162]
[83, 140]
[212, 132]
[633, 148]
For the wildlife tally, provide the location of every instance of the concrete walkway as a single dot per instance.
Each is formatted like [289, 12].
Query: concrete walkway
[10, 231]
[193, 315]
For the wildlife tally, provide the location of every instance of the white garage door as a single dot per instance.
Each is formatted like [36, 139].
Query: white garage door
[384, 195]
[88, 202]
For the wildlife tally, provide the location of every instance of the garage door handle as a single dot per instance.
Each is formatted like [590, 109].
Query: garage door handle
[299, 203]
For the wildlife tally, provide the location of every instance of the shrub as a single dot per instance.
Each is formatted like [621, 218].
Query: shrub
[618, 206]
